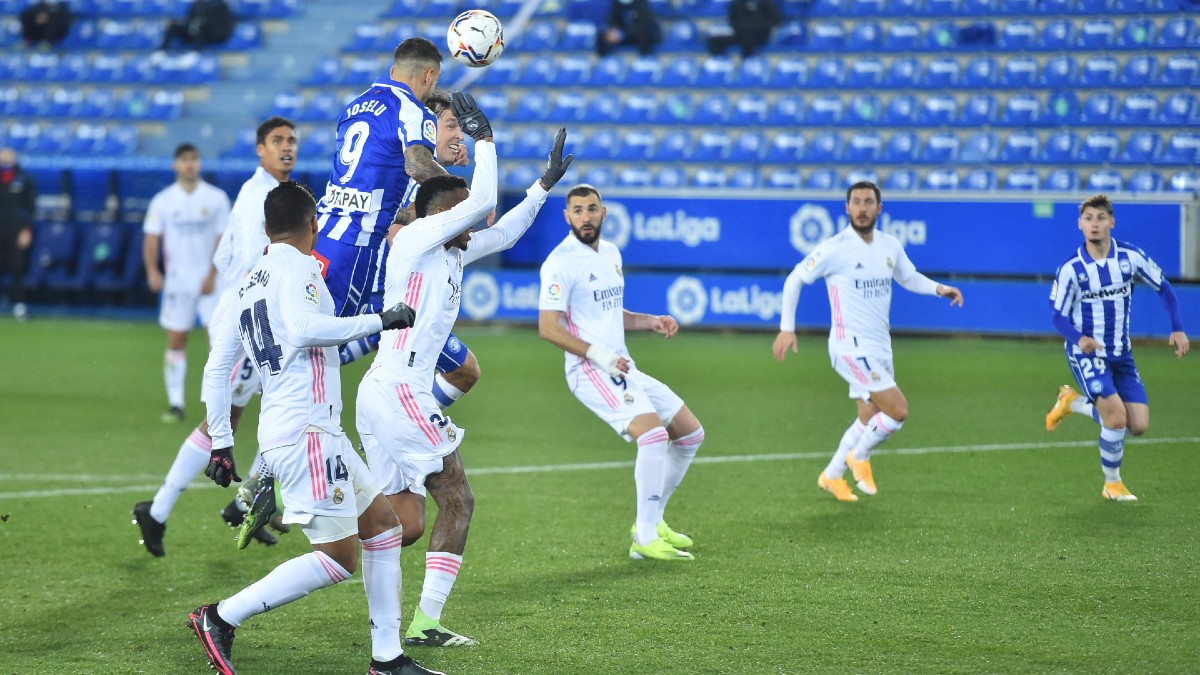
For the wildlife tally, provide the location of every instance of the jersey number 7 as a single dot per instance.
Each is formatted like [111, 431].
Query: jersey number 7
[256, 329]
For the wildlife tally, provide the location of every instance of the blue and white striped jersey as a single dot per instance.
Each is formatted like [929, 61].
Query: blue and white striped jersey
[1095, 295]
[368, 184]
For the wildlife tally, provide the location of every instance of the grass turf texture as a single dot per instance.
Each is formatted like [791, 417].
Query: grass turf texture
[970, 559]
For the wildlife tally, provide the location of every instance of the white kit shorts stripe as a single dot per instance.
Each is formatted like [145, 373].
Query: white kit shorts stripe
[618, 400]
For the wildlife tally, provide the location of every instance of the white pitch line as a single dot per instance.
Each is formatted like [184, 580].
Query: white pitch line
[591, 466]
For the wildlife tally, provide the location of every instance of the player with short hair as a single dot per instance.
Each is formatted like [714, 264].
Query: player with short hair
[283, 321]
[581, 310]
[410, 444]
[183, 222]
[859, 264]
[1091, 298]
[240, 247]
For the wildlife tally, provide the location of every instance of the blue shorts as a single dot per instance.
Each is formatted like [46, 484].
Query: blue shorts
[349, 272]
[1100, 376]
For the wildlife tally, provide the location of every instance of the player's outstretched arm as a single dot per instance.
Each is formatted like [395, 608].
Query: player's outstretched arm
[664, 324]
[1179, 340]
[785, 341]
[955, 295]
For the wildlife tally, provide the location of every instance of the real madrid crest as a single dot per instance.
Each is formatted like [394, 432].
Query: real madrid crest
[889, 262]
[338, 495]
[451, 434]
[628, 398]
[618, 269]
[874, 376]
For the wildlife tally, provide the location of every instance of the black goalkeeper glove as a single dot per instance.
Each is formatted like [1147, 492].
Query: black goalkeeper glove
[472, 120]
[556, 165]
[221, 468]
[398, 316]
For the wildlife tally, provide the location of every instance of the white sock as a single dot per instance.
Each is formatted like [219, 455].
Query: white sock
[174, 374]
[1112, 451]
[191, 459]
[445, 393]
[649, 472]
[878, 429]
[680, 453]
[381, 577]
[441, 571]
[837, 465]
[291, 581]
[1082, 406]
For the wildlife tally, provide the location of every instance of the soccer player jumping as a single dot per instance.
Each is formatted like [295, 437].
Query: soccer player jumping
[1091, 299]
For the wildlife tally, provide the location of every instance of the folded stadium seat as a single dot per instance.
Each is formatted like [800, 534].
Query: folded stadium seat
[538, 36]
[823, 179]
[1139, 70]
[1138, 109]
[578, 37]
[408, 9]
[712, 109]
[1183, 148]
[121, 141]
[11, 66]
[317, 142]
[748, 147]
[941, 72]
[752, 73]
[1061, 110]
[981, 72]
[572, 71]
[635, 176]
[39, 66]
[901, 111]
[1099, 110]
[400, 33]
[113, 34]
[531, 143]
[863, 147]
[680, 36]
[941, 147]
[53, 253]
[1063, 180]
[1181, 70]
[640, 108]
[1020, 72]
[712, 146]
[749, 110]
[519, 176]
[1022, 180]
[1062, 147]
[865, 73]
[644, 71]
[1017, 36]
[362, 69]
[825, 148]
[105, 68]
[8, 102]
[1021, 110]
[864, 110]
[32, 103]
[601, 145]
[867, 36]
[1179, 110]
[901, 148]
[1137, 33]
[941, 36]
[536, 73]
[788, 38]
[366, 38]
[1097, 34]
[979, 110]
[683, 72]
[709, 177]
[784, 179]
[24, 136]
[902, 179]
[101, 254]
[636, 145]
[1059, 71]
[507, 71]
[902, 36]
[1177, 33]
[745, 178]
[905, 8]
[132, 104]
[505, 139]
[1105, 180]
[1185, 181]
[941, 179]
[71, 68]
[566, 106]
[1099, 71]
[1145, 181]
[826, 36]
[82, 34]
[938, 110]
[246, 35]
[904, 73]
[1099, 147]
[826, 109]
[243, 147]
[826, 8]
[599, 176]
[786, 148]
[288, 104]
[981, 180]
[325, 107]
[670, 178]
[980, 147]
[716, 71]
[1057, 35]
[789, 73]
[858, 175]
[1092, 6]
[1020, 147]
[88, 141]
[326, 72]
[1142, 147]
[602, 108]
[675, 147]
[828, 73]
[532, 106]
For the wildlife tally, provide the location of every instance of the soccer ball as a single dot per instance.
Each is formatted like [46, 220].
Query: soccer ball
[475, 38]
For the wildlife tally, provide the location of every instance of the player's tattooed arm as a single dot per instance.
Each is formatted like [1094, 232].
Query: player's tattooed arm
[420, 164]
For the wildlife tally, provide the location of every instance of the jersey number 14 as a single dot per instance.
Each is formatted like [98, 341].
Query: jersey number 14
[256, 330]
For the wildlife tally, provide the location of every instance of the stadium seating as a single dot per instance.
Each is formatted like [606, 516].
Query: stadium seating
[1062, 180]
[1025, 180]
[52, 257]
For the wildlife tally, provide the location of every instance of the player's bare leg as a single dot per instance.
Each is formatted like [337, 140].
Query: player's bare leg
[649, 477]
[1114, 420]
[887, 411]
[410, 508]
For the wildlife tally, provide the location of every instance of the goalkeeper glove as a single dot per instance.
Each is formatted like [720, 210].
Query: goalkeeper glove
[472, 120]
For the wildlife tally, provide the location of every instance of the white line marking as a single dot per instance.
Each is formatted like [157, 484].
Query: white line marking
[591, 466]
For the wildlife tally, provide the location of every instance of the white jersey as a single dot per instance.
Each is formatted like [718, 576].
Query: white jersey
[188, 224]
[246, 237]
[284, 321]
[858, 277]
[588, 287]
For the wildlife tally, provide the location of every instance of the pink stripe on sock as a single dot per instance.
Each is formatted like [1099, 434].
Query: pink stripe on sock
[198, 439]
[384, 544]
[658, 435]
[331, 568]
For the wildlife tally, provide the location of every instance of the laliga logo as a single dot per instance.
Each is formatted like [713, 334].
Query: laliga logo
[480, 295]
[810, 226]
[687, 300]
[617, 225]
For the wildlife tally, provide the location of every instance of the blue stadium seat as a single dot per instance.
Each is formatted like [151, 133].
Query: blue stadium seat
[786, 148]
[1138, 109]
[599, 176]
[983, 180]
[635, 176]
[508, 71]
[536, 73]
[1057, 35]
[828, 73]
[640, 108]
[867, 36]
[246, 35]
[753, 73]
[1145, 181]
[941, 36]
[1139, 70]
[8, 101]
[717, 71]
[670, 178]
[941, 73]
[982, 72]
[367, 39]
[710, 146]
[863, 147]
[636, 145]
[530, 143]
[603, 108]
[710, 177]
[942, 8]
[1059, 71]
[826, 36]
[1177, 33]
[1062, 147]
[317, 143]
[1105, 180]
[1137, 33]
[788, 38]
[572, 71]
[905, 8]
[823, 179]
[32, 103]
[101, 256]
[289, 104]
[644, 71]
[683, 71]
[72, 68]
[901, 148]
[788, 110]
[941, 179]
[825, 148]
[1021, 110]
[1017, 7]
[902, 179]
[1099, 147]
[680, 36]
[1022, 180]
[567, 106]
[904, 73]
[748, 147]
[1097, 34]
[519, 176]
[1143, 147]
[1185, 181]
[39, 66]
[859, 175]
[980, 147]
[1099, 71]
[52, 256]
[1179, 110]
[1183, 148]
[867, 8]
[603, 144]
[745, 178]
[533, 106]
[827, 109]
[1017, 36]
[901, 111]
[749, 110]
[1062, 180]
[941, 147]
[1181, 70]
[88, 140]
[1099, 110]
[1020, 147]
[1092, 6]
[864, 110]
[325, 107]
[326, 72]
[824, 8]
[1019, 72]
[865, 72]
[712, 109]
[938, 110]
[539, 36]
[902, 36]
[243, 147]
[578, 37]
[789, 73]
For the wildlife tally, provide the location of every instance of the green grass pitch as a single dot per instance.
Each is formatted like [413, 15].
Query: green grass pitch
[987, 550]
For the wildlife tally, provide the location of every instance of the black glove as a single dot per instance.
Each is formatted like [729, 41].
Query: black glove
[556, 166]
[398, 316]
[220, 467]
[472, 120]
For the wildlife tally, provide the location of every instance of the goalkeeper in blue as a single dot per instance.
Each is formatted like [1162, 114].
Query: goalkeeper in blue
[1090, 299]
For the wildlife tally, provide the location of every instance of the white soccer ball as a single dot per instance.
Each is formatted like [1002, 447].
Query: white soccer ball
[475, 38]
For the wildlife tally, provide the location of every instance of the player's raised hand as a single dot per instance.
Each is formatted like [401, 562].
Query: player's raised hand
[664, 324]
[472, 120]
[556, 164]
[783, 342]
[1179, 340]
[221, 468]
[1087, 344]
[398, 316]
[955, 295]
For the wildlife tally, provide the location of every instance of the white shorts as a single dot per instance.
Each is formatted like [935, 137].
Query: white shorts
[180, 311]
[618, 400]
[321, 476]
[404, 433]
[246, 383]
[864, 371]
